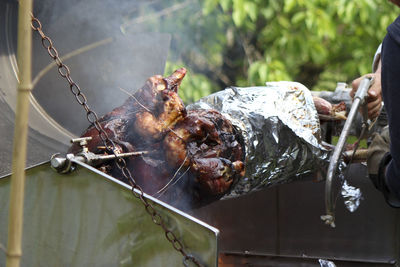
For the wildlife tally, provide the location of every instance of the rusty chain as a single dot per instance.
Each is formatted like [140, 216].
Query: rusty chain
[93, 119]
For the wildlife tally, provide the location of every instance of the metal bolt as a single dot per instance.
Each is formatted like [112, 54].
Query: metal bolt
[58, 163]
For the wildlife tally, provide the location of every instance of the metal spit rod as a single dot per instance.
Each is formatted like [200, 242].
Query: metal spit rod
[359, 100]
[64, 164]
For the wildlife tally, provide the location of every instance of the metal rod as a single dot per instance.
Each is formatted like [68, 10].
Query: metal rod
[16, 206]
[123, 155]
[329, 197]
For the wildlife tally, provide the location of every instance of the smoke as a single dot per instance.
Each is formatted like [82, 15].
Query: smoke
[109, 45]
[101, 58]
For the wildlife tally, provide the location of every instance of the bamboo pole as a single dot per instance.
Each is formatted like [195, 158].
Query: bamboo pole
[24, 53]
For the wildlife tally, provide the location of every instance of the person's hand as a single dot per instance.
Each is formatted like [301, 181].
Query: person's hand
[374, 99]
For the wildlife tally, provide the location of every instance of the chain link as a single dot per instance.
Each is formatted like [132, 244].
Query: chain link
[93, 119]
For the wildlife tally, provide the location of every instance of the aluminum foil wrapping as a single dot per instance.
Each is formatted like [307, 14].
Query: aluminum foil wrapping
[351, 195]
[326, 263]
[281, 130]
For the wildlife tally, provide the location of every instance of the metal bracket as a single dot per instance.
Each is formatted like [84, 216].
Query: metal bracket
[82, 142]
[63, 164]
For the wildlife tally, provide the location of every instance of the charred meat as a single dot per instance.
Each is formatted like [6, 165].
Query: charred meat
[196, 155]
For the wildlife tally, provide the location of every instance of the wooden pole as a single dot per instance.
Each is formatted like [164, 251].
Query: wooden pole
[24, 53]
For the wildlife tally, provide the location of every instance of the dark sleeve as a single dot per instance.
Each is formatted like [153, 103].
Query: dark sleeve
[391, 96]
[380, 182]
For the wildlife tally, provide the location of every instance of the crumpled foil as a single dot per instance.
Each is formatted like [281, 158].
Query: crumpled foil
[326, 263]
[281, 131]
[351, 195]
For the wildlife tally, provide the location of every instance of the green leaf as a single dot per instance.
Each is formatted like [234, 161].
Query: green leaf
[239, 13]
[251, 9]
[289, 5]
[298, 17]
[284, 22]
[263, 72]
[225, 4]
[268, 12]
[209, 6]
[349, 13]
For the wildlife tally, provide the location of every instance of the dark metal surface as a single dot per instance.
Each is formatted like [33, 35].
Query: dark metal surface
[285, 222]
[231, 260]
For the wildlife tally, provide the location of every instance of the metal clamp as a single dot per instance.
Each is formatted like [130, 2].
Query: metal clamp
[63, 164]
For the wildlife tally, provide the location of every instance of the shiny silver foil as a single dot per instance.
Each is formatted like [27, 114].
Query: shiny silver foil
[326, 263]
[351, 195]
[281, 130]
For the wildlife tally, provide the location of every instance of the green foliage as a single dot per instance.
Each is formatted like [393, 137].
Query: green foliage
[250, 42]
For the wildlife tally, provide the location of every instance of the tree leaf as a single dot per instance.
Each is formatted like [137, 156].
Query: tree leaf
[251, 9]
[289, 5]
[209, 6]
[225, 4]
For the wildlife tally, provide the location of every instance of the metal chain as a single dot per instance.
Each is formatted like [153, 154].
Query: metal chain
[92, 117]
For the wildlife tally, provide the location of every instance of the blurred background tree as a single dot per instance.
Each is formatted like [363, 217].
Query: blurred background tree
[249, 42]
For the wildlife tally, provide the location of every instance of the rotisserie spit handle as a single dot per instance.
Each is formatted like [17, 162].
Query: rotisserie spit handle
[359, 100]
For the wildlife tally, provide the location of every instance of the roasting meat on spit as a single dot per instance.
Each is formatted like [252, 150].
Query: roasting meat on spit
[197, 154]
[189, 151]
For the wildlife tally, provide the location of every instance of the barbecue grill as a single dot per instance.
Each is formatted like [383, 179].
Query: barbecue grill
[275, 226]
